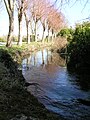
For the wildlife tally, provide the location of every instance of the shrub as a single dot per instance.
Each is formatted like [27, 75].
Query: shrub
[79, 47]
[67, 33]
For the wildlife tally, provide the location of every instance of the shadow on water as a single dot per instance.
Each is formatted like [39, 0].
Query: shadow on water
[82, 80]
[64, 92]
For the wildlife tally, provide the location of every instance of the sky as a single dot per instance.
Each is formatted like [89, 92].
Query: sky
[73, 12]
[76, 12]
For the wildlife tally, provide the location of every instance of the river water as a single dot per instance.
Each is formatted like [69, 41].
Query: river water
[61, 91]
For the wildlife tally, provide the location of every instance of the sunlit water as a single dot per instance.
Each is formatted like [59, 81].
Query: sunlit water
[60, 91]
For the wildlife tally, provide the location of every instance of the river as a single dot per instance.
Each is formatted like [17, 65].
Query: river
[61, 91]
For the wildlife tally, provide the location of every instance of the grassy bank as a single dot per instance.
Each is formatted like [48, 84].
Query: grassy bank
[15, 102]
[18, 52]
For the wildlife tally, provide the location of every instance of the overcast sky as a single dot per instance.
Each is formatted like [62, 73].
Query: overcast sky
[73, 12]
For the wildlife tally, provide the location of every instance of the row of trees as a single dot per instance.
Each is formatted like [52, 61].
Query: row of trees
[35, 11]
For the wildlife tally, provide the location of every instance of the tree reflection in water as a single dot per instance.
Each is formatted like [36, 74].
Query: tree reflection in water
[59, 90]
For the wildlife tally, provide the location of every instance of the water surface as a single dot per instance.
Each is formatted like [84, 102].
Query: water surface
[62, 92]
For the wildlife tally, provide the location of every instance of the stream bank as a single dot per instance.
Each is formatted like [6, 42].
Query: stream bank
[15, 102]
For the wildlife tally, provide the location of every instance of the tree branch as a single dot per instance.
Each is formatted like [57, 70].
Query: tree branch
[7, 7]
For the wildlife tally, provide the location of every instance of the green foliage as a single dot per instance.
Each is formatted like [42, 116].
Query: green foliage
[3, 39]
[79, 47]
[15, 39]
[24, 39]
[67, 33]
[7, 60]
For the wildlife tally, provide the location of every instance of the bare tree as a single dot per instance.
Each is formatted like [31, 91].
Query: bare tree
[27, 27]
[55, 21]
[44, 13]
[36, 9]
[9, 4]
[21, 6]
[28, 19]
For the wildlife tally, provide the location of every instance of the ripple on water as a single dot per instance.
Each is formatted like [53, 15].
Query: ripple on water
[60, 91]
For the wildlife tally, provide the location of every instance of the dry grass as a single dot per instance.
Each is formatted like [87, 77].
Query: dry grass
[59, 43]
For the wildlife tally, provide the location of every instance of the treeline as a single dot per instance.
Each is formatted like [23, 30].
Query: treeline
[78, 47]
[35, 12]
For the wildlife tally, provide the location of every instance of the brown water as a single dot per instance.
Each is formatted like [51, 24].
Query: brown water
[62, 92]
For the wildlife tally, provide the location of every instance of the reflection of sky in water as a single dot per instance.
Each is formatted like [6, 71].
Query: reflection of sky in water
[54, 86]
[36, 58]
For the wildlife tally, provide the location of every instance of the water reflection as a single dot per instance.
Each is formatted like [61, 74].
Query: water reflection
[43, 58]
[58, 89]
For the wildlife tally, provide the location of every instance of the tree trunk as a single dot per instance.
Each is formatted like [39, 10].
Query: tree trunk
[11, 30]
[31, 28]
[35, 30]
[9, 4]
[48, 35]
[52, 35]
[28, 32]
[43, 34]
[20, 30]
[27, 28]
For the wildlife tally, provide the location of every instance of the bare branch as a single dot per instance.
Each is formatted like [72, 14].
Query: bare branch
[7, 7]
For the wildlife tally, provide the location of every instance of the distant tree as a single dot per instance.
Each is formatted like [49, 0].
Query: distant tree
[36, 14]
[55, 21]
[27, 19]
[43, 10]
[9, 4]
[67, 33]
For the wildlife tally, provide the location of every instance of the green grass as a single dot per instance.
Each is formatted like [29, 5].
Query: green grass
[2, 39]
[18, 52]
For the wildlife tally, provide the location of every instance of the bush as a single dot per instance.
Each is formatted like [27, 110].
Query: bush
[7, 60]
[79, 47]
[67, 33]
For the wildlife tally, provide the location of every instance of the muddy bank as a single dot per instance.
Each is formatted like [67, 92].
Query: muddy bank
[15, 102]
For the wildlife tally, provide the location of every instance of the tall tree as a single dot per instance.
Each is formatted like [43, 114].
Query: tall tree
[37, 7]
[27, 27]
[55, 21]
[28, 20]
[9, 4]
[21, 6]
[43, 19]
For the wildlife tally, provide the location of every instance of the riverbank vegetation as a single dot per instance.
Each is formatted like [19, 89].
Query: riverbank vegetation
[78, 47]
[15, 102]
